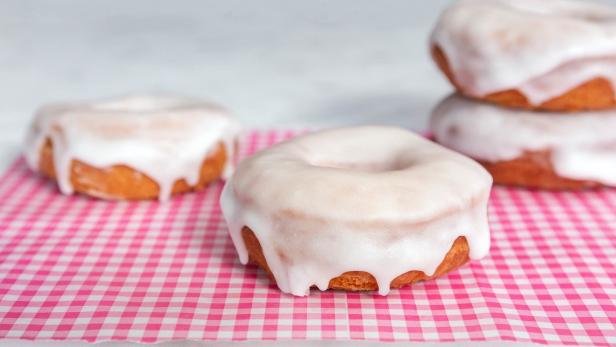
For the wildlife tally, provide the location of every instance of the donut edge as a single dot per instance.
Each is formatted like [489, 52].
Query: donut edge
[595, 94]
[354, 281]
[534, 170]
[121, 182]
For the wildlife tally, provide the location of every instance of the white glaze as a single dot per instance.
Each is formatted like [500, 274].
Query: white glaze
[163, 137]
[542, 48]
[375, 199]
[582, 145]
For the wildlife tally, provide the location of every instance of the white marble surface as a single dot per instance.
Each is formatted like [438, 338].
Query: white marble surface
[275, 63]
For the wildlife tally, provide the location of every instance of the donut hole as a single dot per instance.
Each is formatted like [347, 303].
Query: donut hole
[394, 164]
[592, 16]
[596, 17]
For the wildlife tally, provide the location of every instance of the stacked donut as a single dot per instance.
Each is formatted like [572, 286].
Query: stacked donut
[535, 83]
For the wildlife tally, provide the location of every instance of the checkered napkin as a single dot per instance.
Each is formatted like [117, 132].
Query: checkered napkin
[75, 268]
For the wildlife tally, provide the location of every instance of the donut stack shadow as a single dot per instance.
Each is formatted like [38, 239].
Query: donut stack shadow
[534, 101]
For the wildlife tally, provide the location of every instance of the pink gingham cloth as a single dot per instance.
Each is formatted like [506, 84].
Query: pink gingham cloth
[75, 268]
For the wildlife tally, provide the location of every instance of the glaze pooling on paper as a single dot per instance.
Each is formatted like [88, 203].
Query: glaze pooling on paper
[542, 48]
[582, 145]
[374, 199]
[164, 137]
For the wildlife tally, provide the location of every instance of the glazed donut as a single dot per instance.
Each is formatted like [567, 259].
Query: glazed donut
[134, 147]
[556, 55]
[524, 148]
[361, 208]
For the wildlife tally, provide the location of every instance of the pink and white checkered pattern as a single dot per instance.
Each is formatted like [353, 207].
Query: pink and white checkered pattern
[74, 268]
